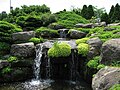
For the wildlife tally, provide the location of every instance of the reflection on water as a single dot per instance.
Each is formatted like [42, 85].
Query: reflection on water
[46, 85]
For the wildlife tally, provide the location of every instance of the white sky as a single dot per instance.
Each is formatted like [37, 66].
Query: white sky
[57, 5]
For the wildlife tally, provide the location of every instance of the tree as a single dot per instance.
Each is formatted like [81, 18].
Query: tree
[90, 12]
[111, 13]
[116, 14]
[3, 15]
[84, 11]
[105, 18]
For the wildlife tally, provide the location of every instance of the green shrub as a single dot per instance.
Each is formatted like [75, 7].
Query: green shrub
[6, 29]
[83, 40]
[115, 87]
[94, 62]
[83, 49]
[36, 40]
[4, 46]
[69, 19]
[46, 32]
[59, 50]
[6, 70]
[12, 58]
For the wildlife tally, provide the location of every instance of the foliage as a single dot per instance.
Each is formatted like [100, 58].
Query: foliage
[115, 87]
[6, 29]
[12, 58]
[90, 12]
[69, 19]
[94, 63]
[83, 40]
[116, 63]
[83, 49]
[84, 11]
[46, 32]
[100, 66]
[48, 18]
[111, 13]
[36, 40]
[105, 18]
[59, 50]
[4, 46]
[6, 70]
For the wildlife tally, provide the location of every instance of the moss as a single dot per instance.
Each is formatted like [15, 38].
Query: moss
[59, 50]
[100, 66]
[36, 40]
[6, 70]
[83, 40]
[83, 49]
[115, 87]
[12, 58]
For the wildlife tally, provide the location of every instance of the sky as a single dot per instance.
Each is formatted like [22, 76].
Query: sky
[58, 5]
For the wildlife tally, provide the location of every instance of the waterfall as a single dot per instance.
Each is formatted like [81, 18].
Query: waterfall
[38, 62]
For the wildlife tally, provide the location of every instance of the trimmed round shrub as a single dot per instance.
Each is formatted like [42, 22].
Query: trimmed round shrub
[83, 40]
[59, 50]
[83, 49]
[115, 87]
[36, 40]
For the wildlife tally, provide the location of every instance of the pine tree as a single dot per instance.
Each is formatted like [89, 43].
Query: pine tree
[111, 13]
[116, 14]
[90, 12]
[105, 18]
[84, 11]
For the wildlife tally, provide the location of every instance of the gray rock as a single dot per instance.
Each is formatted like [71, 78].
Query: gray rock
[108, 29]
[106, 78]
[110, 51]
[75, 34]
[63, 33]
[100, 24]
[23, 50]
[23, 36]
[114, 24]
[3, 63]
[80, 25]
[95, 47]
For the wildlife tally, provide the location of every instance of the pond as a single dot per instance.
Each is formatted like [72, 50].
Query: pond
[46, 85]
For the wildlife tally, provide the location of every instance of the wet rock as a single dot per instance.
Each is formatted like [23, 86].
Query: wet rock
[106, 78]
[110, 52]
[23, 36]
[75, 34]
[63, 33]
[95, 47]
[23, 50]
[114, 24]
[3, 63]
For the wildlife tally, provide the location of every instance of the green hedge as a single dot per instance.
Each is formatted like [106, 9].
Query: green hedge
[59, 50]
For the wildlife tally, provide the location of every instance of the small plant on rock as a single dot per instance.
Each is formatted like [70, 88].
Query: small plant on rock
[59, 50]
[12, 58]
[36, 40]
[115, 87]
[83, 40]
[83, 49]
[6, 70]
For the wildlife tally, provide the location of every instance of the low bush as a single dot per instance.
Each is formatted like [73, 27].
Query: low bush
[115, 87]
[94, 63]
[46, 32]
[83, 49]
[36, 40]
[59, 50]
[83, 40]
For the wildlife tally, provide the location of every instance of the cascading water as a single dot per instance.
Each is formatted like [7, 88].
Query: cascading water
[38, 62]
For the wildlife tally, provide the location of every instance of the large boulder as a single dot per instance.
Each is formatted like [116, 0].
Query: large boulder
[106, 78]
[75, 34]
[23, 50]
[95, 47]
[55, 26]
[110, 51]
[23, 36]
